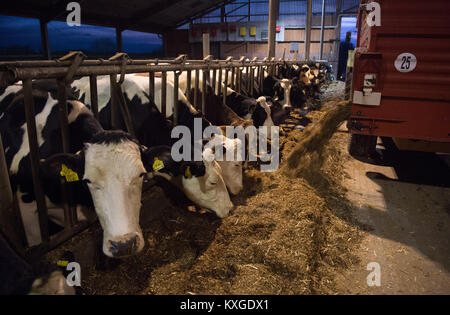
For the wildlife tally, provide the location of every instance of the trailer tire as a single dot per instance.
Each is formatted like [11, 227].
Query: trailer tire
[362, 145]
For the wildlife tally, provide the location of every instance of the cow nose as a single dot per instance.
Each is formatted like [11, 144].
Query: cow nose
[125, 247]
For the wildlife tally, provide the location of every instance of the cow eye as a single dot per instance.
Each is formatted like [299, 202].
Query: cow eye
[142, 174]
[213, 183]
[87, 181]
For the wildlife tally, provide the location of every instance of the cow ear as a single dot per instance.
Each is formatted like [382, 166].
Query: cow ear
[157, 159]
[192, 169]
[146, 158]
[68, 167]
[208, 155]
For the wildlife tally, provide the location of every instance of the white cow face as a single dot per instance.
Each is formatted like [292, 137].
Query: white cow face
[286, 85]
[229, 156]
[114, 174]
[305, 75]
[262, 101]
[209, 191]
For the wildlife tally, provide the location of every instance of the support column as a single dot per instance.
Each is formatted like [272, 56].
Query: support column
[322, 30]
[273, 16]
[308, 30]
[206, 45]
[119, 39]
[44, 39]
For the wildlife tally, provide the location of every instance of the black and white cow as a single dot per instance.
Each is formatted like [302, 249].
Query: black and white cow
[17, 277]
[152, 129]
[103, 170]
[245, 106]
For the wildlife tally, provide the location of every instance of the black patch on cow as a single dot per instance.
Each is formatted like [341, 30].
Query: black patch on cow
[163, 153]
[82, 129]
[298, 98]
[272, 87]
[51, 178]
[196, 168]
[243, 105]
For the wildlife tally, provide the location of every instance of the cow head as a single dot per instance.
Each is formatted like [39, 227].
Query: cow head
[282, 92]
[158, 161]
[305, 75]
[208, 191]
[110, 166]
[227, 152]
[298, 96]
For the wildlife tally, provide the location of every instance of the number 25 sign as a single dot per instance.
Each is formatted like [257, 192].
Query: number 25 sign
[405, 62]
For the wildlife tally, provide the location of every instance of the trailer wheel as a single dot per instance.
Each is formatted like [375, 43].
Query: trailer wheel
[362, 145]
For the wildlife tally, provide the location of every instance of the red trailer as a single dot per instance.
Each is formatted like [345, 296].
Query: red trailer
[401, 75]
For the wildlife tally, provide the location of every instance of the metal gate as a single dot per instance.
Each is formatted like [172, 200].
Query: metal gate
[74, 65]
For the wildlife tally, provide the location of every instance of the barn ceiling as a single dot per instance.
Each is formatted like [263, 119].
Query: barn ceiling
[154, 16]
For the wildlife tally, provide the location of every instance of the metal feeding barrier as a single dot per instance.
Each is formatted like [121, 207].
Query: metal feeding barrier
[74, 65]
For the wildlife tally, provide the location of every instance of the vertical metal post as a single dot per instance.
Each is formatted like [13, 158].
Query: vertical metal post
[248, 80]
[252, 81]
[206, 45]
[34, 159]
[222, 14]
[63, 112]
[233, 78]
[151, 85]
[204, 92]
[214, 81]
[188, 85]
[219, 82]
[258, 72]
[225, 86]
[115, 118]
[10, 219]
[273, 16]
[261, 79]
[6, 196]
[175, 98]
[119, 39]
[69, 216]
[196, 85]
[44, 39]
[94, 94]
[308, 30]
[163, 93]
[322, 30]
[239, 80]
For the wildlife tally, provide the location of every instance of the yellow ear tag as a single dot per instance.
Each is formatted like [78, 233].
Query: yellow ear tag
[70, 175]
[157, 165]
[62, 263]
[187, 172]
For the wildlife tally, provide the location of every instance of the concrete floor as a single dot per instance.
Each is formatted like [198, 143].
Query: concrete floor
[404, 197]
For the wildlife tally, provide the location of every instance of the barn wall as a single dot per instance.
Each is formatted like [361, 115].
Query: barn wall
[259, 49]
